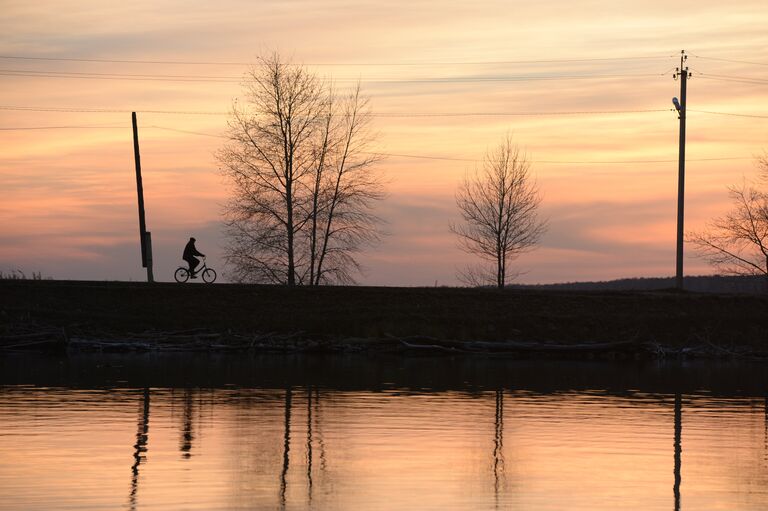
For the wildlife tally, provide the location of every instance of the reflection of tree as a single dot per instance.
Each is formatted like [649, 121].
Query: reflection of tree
[678, 447]
[286, 446]
[498, 445]
[309, 443]
[186, 436]
[142, 436]
[320, 441]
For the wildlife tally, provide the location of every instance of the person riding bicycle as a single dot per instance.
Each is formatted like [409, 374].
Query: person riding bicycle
[189, 256]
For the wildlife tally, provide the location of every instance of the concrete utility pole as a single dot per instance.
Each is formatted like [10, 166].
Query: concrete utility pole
[144, 237]
[683, 74]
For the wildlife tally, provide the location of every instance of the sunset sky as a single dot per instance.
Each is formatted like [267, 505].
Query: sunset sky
[542, 71]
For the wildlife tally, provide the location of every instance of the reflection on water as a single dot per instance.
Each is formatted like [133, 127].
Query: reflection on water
[513, 435]
[140, 447]
[678, 447]
[186, 430]
[498, 445]
[286, 446]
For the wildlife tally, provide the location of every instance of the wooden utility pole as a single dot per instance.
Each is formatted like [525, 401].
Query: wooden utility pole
[682, 73]
[144, 237]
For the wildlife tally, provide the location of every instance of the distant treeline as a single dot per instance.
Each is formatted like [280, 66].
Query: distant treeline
[702, 284]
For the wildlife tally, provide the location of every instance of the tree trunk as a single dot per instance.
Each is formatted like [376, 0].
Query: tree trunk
[499, 271]
[289, 226]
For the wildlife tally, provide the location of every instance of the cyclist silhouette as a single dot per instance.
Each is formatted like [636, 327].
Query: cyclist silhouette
[189, 256]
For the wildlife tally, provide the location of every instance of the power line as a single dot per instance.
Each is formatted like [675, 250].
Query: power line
[731, 60]
[384, 114]
[448, 158]
[732, 78]
[24, 128]
[423, 63]
[468, 79]
[423, 157]
[572, 162]
[105, 110]
[188, 131]
[521, 114]
[83, 76]
[414, 156]
[588, 162]
[728, 158]
[116, 75]
[756, 116]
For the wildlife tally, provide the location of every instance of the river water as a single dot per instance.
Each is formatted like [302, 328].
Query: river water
[379, 433]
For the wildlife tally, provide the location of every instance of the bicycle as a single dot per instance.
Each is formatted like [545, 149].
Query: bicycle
[182, 274]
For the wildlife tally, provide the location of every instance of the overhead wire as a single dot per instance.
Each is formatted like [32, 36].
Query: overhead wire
[734, 80]
[732, 114]
[208, 78]
[383, 114]
[521, 114]
[422, 63]
[190, 132]
[737, 61]
[730, 77]
[106, 110]
[24, 128]
[117, 75]
[417, 156]
[205, 79]
[84, 76]
[585, 162]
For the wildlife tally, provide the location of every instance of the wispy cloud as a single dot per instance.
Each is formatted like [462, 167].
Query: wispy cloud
[68, 188]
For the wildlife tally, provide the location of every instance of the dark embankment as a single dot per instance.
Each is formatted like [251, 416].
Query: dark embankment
[411, 316]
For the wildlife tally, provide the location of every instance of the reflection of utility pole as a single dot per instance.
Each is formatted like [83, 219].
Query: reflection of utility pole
[144, 237]
[142, 436]
[286, 446]
[678, 448]
[680, 106]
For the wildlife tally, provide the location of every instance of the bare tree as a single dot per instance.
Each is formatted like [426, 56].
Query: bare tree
[303, 184]
[737, 242]
[499, 207]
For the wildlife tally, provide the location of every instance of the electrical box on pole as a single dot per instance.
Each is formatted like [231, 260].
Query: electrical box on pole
[683, 74]
[144, 236]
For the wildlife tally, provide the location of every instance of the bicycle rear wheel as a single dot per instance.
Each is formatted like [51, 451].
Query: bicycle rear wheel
[209, 275]
[181, 275]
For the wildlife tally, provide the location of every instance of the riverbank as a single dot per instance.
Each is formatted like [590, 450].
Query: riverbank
[121, 315]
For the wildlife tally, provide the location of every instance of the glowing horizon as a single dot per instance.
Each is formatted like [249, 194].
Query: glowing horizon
[69, 208]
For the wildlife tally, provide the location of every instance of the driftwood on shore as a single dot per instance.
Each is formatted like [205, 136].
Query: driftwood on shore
[203, 340]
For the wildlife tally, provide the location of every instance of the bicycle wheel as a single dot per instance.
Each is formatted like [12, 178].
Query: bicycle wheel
[181, 275]
[209, 275]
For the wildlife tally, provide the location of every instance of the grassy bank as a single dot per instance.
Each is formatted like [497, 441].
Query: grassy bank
[676, 320]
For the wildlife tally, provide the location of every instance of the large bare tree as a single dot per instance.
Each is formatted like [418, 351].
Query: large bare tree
[499, 207]
[303, 183]
[737, 242]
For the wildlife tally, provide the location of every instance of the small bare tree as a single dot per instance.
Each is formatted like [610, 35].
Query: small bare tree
[499, 207]
[303, 183]
[737, 242]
